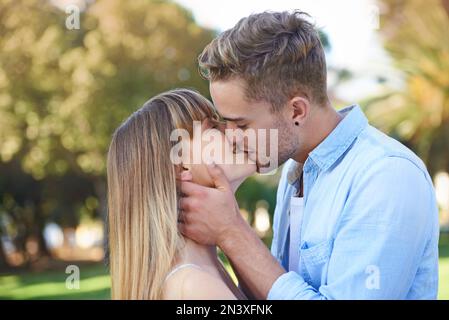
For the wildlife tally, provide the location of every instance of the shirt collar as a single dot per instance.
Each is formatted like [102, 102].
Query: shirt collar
[335, 144]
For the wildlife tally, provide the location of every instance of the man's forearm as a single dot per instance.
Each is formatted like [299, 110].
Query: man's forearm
[242, 285]
[252, 260]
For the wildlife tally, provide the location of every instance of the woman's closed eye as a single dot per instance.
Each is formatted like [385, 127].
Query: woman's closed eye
[217, 123]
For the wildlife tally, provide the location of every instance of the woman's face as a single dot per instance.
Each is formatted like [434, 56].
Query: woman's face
[213, 146]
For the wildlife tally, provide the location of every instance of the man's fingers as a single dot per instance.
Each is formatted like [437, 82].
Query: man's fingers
[185, 204]
[185, 175]
[181, 216]
[182, 228]
[185, 229]
[218, 177]
[189, 188]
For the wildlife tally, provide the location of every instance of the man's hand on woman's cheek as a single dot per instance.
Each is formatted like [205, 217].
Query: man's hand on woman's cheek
[208, 215]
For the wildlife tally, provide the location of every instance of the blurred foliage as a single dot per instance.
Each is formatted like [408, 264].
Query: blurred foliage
[256, 188]
[416, 35]
[63, 92]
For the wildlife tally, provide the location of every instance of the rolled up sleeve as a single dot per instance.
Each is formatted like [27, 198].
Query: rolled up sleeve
[291, 286]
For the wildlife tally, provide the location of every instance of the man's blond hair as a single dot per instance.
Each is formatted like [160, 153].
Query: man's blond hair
[277, 54]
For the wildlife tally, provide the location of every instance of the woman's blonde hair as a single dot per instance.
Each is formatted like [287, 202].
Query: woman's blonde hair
[143, 194]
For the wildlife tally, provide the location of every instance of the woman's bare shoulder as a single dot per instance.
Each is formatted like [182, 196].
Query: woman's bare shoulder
[196, 284]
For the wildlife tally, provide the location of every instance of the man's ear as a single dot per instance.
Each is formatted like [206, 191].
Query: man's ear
[299, 108]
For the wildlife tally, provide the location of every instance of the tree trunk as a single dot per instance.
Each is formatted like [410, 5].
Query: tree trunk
[4, 265]
[39, 233]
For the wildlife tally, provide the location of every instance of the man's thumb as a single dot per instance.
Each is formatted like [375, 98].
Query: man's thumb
[218, 177]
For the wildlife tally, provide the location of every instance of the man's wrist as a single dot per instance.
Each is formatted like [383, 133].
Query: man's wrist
[233, 234]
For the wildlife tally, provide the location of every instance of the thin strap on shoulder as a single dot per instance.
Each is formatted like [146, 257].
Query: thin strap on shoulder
[182, 266]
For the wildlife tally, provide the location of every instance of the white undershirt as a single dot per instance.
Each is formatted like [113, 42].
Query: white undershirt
[296, 213]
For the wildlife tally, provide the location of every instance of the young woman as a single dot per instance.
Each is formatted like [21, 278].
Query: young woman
[149, 258]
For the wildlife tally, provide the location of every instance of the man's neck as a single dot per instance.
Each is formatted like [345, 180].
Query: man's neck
[323, 123]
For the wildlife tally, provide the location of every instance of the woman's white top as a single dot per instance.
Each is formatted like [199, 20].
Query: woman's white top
[182, 266]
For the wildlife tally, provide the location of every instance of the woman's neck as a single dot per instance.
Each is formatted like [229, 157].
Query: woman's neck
[193, 252]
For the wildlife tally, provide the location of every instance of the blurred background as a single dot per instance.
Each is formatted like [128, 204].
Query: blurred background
[65, 85]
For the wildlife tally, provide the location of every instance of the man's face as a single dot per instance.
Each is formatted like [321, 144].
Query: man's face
[249, 116]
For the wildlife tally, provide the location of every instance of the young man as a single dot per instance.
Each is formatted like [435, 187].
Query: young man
[356, 216]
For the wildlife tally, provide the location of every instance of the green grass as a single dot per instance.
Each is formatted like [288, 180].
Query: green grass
[95, 282]
[443, 292]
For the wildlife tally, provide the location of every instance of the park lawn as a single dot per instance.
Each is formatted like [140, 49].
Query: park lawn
[443, 292]
[95, 282]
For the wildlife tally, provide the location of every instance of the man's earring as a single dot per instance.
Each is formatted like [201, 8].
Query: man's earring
[296, 123]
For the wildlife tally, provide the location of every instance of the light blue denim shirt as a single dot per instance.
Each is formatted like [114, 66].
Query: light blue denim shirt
[370, 221]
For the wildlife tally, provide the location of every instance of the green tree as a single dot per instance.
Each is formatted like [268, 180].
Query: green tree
[416, 35]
